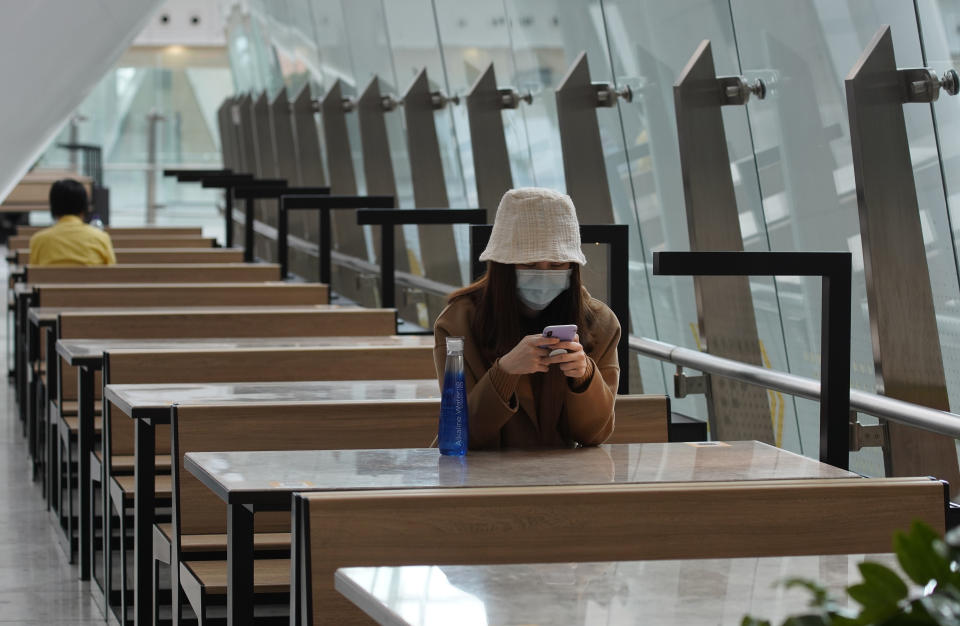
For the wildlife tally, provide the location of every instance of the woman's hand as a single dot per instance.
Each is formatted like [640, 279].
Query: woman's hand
[530, 355]
[574, 362]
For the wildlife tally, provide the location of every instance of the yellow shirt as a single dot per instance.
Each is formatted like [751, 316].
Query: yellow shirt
[71, 242]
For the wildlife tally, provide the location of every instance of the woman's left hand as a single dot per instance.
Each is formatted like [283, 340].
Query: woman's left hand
[574, 362]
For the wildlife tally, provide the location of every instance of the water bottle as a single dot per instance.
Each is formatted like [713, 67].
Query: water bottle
[453, 430]
[96, 222]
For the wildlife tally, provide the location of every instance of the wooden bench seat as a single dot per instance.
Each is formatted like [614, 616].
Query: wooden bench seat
[70, 407]
[217, 542]
[210, 577]
[127, 485]
[124, 463]
[73, 424]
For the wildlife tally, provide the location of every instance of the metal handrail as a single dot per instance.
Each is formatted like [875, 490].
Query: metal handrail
[894, 410]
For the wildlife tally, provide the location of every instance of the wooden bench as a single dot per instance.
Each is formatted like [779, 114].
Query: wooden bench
[138, 295]
[22, 242]
[244, 365]
[599, 523]
[194, 322]
[128, 256]
[136, 231]
[155, 273]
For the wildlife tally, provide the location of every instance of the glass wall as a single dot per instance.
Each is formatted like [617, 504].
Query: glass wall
[181, 88]
[790, 153]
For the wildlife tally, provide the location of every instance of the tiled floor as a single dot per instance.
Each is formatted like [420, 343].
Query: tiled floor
[37, 585]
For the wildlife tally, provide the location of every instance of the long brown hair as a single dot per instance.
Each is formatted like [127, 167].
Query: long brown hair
[499, 323]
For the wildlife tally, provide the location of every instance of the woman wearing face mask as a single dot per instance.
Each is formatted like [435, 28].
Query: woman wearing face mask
[518, 395]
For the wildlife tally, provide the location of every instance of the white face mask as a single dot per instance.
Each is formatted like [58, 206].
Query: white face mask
[538, 288]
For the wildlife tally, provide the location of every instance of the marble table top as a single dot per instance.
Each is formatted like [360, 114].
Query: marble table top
[90, 351]
[269, 477]
[683, 592]
[143, 401]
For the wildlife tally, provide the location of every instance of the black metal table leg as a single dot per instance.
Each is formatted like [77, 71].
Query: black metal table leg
[283, 252]
[239, 565]
[248, 231]
[144, 502]
[85, 417]
[228, 218]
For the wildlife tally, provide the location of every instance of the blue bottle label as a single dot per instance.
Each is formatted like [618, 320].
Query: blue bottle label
[453, 430]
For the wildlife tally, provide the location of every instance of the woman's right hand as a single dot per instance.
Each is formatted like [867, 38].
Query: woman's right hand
[529, 355]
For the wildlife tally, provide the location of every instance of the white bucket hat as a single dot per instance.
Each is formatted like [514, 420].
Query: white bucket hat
[535, 224]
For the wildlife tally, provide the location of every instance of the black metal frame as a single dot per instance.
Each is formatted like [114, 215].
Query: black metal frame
[195, 175]
[265, 191]
[834, 268]
[388, 218]
[616, 236]
[256, 189]
[227, 182]
[324, 204]
[93, 168]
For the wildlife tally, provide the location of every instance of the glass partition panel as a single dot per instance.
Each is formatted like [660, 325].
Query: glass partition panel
[415, 45]
[471, 40]
[650, 43]
[803, 149]
[546, 38]
[940, 31]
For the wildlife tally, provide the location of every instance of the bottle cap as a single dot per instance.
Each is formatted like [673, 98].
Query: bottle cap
[454, 344]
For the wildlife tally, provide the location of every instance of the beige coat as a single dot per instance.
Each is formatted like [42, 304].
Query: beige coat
[534, 410]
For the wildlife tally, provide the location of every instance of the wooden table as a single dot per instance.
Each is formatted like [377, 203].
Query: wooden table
[150, 406]
[47, 317]
[695, 592]
[259, 481]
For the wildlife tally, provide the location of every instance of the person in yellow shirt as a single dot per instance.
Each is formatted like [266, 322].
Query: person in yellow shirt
[70, 241]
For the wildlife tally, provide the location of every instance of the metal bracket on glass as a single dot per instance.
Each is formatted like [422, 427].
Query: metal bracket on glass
[440, 100]
[863, 436]
[607, 94]
[684, 385]
[923, 85]
[389, 103]
[510, 98]
[737, 90]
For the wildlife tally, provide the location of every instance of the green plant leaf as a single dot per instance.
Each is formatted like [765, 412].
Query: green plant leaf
[876, 605]
[884, 579]
[918, 557]
[752, 621]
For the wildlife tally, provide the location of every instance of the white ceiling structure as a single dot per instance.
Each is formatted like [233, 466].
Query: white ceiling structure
[52, 53]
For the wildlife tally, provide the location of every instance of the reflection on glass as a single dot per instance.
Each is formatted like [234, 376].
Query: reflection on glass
[790, 157]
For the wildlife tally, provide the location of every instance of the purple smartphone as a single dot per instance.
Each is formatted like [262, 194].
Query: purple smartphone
[563, 332]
